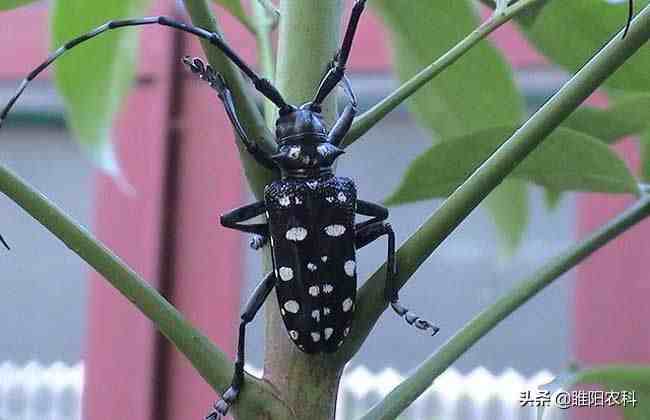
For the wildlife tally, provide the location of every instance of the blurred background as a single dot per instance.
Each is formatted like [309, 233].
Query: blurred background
[62, 328]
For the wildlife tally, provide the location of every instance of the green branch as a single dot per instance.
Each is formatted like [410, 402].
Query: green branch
[247, 110]
[211, 362]
[493, 171]
[369, 119]
[264, 26]
[409, 390]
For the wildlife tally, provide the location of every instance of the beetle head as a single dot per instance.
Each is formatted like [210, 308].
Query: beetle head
[302, 140]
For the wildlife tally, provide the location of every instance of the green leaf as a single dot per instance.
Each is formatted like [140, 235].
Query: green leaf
[644, 142]
[12, 4]
[569, 32]
[566, 161]
[476, 93]
[235, 8]
[95, 76]
[527, 17]
[626, 116]
[552, 198]
[508, 206]
[617, 379]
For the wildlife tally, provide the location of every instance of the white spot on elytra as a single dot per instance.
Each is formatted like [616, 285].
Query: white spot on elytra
[349, 267]
[314, 291]
[329, 199]
[294, 152]
[342, 197]
[335, 230]
[315, 336]
[323, 258]
[347, 305]
[316, 315]
[328, 333]
[328, 288]
[340, 343]
[326, 311]
[293, 334]
[312, 267]
[284, 201]
[292, 306]
[298, 201]
[286, 273]
[346, 332]
[312, 184]
[296, 234]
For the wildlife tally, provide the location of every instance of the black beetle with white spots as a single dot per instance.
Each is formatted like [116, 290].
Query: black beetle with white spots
[310, 212]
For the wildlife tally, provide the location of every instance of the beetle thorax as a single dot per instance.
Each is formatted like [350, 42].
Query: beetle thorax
[303, 146]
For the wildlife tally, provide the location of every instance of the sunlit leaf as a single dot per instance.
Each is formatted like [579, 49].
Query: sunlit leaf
[95, 76]
[566, 161]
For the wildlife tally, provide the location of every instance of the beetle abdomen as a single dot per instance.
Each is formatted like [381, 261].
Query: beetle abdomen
[312, 240]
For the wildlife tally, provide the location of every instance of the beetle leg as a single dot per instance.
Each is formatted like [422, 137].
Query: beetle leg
[234, 218]
[371, 230]
[253, 306]
[217, 82]
[376, 211]
[343, 124]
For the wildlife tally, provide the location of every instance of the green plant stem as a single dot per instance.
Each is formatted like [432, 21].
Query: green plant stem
[409, 390]
[369, 119]
[247, 110]
[264, 27]
[211, 363]
[493, 171]
[308, 39]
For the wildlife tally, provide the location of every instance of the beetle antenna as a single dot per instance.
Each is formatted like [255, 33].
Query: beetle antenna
[4, 243]
[630, 15]
[337, 69]
[264, 86]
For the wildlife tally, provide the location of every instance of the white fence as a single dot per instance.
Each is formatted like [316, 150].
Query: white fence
[35, 391]
[53, 392]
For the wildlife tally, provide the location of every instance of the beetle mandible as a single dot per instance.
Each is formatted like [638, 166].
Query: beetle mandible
[310, 212]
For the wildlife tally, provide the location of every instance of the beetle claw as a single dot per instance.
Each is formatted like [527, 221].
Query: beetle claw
[425, 325]
[413, 319]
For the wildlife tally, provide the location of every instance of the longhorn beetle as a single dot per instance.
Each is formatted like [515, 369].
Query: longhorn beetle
[310, 212]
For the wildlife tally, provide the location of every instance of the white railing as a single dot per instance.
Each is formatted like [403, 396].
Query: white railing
[34, 391]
